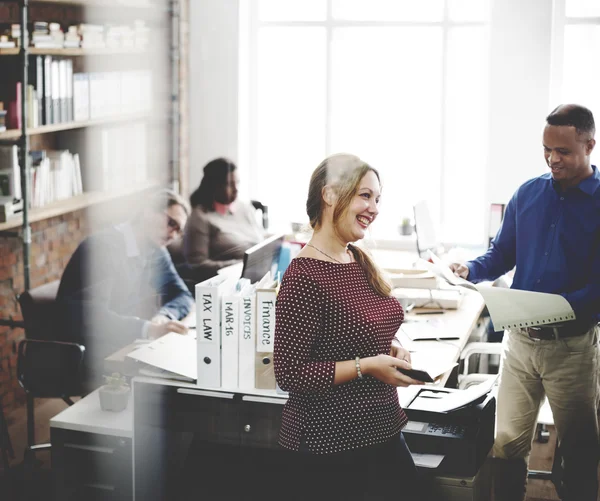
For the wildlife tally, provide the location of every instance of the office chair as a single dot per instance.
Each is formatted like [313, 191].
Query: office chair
[5, 443]
[46, 369]
[265, 212]
[38, 306]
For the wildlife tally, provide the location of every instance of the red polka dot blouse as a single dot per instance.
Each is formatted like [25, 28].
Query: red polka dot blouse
[327, 312]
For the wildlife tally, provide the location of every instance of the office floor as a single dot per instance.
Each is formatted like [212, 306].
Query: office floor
[538, 490]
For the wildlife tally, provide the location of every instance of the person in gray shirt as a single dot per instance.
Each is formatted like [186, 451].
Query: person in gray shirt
[220, 227]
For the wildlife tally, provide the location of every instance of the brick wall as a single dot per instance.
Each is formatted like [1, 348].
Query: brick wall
[52, 243]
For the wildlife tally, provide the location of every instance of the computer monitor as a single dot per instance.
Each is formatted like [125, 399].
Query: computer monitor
[424, 228]
[261, 258]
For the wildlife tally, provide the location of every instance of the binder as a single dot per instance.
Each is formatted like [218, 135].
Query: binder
[208, 329]
[36, 72]
[62, 84]
[230, 327]
[266, 293]
[55, 89]
[47, 101]
[247, 343]
[69, 90]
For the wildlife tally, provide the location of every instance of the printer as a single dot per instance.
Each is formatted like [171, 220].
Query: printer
[463, 436]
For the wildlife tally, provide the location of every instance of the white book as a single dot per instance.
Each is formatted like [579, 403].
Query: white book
[81, 96]
[208, 329]
[230, 332]
[9, 163]
[247, 344]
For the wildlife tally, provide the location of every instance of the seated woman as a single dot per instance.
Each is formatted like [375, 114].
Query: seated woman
[220, 227]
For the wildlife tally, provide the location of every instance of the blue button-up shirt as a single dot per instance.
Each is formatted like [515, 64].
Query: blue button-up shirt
[553, 239]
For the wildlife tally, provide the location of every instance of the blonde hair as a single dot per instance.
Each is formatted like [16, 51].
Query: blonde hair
[343, 173]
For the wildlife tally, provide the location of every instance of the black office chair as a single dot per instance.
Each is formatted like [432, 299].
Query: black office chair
[265, 212]
[46, 369]
[5, 443]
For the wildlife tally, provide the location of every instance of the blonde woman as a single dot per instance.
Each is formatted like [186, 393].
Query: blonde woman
[335, 351]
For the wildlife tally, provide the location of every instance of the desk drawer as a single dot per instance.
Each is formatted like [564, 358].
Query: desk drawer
[210, 418]
[260, 423]
[100, 464]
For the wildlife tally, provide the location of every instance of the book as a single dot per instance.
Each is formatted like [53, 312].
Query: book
[511, 308]
[10, 182]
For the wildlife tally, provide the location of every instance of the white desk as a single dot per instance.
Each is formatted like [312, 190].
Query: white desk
[92, 451]
[87, 416]
[84, 428]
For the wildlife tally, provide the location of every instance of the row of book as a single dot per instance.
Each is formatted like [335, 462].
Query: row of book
[55, 175]
[51, 36]
[115, 156]
[57, 95]
[235, 329]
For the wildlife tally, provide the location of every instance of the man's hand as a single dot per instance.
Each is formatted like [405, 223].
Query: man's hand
[161, 325]
[460, 270]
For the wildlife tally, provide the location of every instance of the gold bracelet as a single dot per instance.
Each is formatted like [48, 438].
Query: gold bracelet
[358, 371]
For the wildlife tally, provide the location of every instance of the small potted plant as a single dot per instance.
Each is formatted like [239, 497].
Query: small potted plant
[406, 228]
[114, 395]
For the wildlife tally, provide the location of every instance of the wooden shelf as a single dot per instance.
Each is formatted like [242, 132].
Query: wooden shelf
[144, 4]
[46, 129]
[75, 52]
[70, 205]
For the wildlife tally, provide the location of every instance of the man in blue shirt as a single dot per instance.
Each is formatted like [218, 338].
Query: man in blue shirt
[551, 233]
[121, 285]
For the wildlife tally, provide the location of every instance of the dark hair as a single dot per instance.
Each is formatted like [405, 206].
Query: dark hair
[573, 115]
[215, 176]
[343, 172]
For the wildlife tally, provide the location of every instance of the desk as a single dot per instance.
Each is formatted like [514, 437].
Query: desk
[92, 452]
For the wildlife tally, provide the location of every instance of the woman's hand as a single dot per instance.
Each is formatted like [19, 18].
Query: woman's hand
[398, 351]
[385, 368]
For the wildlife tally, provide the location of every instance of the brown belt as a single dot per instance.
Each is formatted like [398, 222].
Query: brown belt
[559, 331]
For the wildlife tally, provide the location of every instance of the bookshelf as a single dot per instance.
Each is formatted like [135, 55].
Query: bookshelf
[46, 129]
[75, 203]
[73, 52]
[159, 119]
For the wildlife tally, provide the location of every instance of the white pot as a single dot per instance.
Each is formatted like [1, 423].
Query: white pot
[113, 399]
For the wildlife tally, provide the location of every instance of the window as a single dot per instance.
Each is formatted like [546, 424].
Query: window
[575, 54]
[401, 84]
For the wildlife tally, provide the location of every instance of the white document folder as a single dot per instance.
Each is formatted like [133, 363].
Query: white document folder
[208, 328]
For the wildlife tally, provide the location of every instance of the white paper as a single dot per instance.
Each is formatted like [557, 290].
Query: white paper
[433, 365]
[511, 308]
[446, 402]
[427, 460]
[172, 352]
